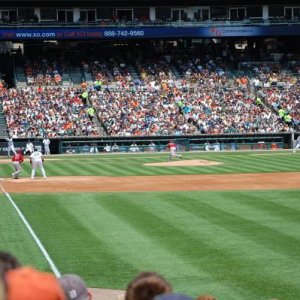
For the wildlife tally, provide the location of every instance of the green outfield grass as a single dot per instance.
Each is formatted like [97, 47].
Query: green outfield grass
[233, 244]
[133, 164]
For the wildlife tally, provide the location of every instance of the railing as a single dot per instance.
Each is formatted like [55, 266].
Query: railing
[157, 23]
[160, 146]
[258, 141]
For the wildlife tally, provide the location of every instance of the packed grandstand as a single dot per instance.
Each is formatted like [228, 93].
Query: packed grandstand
[159, 88]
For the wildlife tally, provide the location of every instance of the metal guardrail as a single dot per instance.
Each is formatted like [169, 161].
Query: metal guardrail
[158, 23]
[94, 148]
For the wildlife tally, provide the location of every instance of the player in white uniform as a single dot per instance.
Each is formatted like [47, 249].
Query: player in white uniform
[10, 146]
[36, 160]
[297, 145]
[152, 146]
[46, 143]
[29, 148]
[207, 146]
[134, 148]
[107, 148]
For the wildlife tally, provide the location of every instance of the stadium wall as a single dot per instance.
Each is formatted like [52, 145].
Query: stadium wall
[263, 141]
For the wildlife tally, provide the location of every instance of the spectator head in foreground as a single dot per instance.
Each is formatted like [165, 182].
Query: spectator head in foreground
[172, 296]
[2, 285]
[74, 287]
[26, 283]
[146, 286]
[8, 261]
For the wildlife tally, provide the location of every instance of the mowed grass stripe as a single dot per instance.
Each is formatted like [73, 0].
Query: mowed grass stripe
[264, 218]
[218, 237]
[271, 215]
[103, 169]
[273, 163]
[287, 199]
[130, 165]
[264, 238]
[16, 239]
[268, 203]
[6, 170]
[87, 254]
[162, 247]
[168, 235]
[59, 169]
[210, 257]
[251, 165]
[126, 242]
[159, 171]
[119, 170]
[87, 169]
[280, 163]
[261, 234]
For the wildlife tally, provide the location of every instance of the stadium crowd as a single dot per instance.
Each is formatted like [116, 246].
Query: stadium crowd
[280, 91]
[168, 92]
[53, 111]
[19, 282]
[211, 103]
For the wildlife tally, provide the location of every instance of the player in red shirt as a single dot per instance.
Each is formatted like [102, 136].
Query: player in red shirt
[172, 147]
[17, 159]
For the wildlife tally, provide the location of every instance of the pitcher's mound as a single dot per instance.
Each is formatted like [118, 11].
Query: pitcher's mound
[184, 163]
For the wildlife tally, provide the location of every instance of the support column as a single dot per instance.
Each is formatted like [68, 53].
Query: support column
[76, 15]
[265, 12]
[190, 13]
[152, 13]
[37, 12]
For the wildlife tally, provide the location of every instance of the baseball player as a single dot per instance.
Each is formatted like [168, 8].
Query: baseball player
[10, 146]
[17, 159]
[172, 147]
[46, 143]
[29, 148]
[107, 148]
[36, 160]
[207, 146]
[297, 144]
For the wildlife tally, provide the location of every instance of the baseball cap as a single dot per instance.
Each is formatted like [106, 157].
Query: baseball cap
[27, 283]
[74, 287]
[172, 296]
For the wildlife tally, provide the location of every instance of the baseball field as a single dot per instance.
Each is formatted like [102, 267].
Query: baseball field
[226, 224]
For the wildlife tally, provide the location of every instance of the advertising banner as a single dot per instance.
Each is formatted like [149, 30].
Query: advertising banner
[105, 33]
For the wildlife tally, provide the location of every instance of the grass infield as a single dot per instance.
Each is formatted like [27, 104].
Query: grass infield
[234, 245]
[133, 164]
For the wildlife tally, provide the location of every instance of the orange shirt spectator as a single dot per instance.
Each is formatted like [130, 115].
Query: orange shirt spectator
[57, 79]
[84, 85]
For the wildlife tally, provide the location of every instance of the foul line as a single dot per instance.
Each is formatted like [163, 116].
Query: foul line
[36, 239]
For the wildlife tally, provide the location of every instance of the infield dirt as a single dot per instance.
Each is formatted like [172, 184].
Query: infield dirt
[260, 181]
